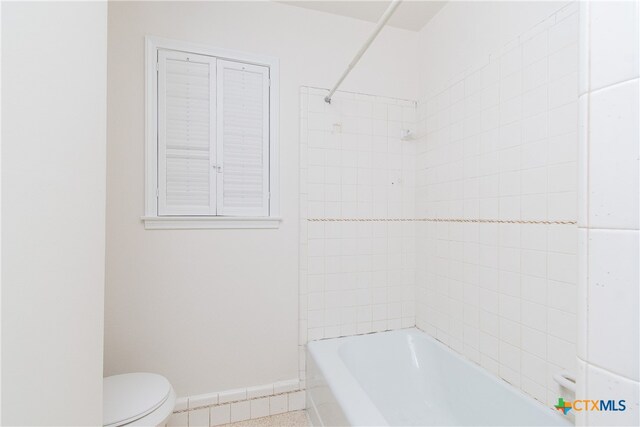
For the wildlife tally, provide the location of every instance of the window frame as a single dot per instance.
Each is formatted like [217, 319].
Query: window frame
[151, 218]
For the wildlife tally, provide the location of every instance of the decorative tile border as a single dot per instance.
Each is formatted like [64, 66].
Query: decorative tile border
[477, 221]
[219, 408]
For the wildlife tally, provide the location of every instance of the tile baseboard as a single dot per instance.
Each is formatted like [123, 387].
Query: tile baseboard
[218, 408]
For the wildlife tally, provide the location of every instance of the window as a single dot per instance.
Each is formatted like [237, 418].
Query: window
[211, 143]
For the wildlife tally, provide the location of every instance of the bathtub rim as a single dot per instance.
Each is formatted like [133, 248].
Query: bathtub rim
[352, 399]
[328, 350]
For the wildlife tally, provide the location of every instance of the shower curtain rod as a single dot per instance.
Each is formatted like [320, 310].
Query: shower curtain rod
[383, 20]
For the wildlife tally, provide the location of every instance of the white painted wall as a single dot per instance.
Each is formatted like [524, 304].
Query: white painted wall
[53, 217]
[218, 309]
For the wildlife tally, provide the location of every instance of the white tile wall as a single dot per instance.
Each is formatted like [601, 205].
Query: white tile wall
[612, 266]
[602, 382]
[614, 43]
[500, 144]
[613, 142]
[608, 304]
[496, 163]
[357, 276]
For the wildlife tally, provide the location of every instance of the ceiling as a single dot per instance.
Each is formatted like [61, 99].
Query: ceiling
[410, 15]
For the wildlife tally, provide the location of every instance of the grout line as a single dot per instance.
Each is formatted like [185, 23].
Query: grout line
[612, 85]
[609, 371]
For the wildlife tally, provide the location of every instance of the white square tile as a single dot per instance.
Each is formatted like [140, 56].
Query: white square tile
[510, 333]
[563, 62]
[511, 61]
[510, 308]
[534, 368]
[297, 401]
[490, 364]
[562, 206]
[562, 267]
[240, 411]
[535, 49]
[534, 342]
[535, 128]
[199, 418]
[534, 289]
[562, 295]
[220, 414]
[260, 407]
[534, 315]
[180, 419]
[562, 238]
[563, 90]
[535, 101]
[562, 324]
[613, 159]
[533, 389]
[510, 375]
[613, 341]
[278, 404]
[534, 154]
[563, 148]
[510, 86]
[561, 353]
[510, 356]
[534, 206]
[535, 74]
[563, 33]
[562, 177]
[563, 120]
[534, 181]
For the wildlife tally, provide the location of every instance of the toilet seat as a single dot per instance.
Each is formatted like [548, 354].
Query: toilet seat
[137, 399]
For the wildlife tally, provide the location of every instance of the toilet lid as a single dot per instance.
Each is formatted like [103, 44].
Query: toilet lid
[129, 397]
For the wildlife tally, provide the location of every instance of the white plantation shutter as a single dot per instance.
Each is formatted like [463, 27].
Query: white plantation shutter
[243, 139]
[213, 129]
[186, 134]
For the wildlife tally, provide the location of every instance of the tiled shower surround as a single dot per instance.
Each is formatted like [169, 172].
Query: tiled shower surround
[357, 185]
[497, 163]
[470, 225]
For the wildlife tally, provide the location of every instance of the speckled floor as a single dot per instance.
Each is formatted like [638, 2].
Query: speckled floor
[289, 419]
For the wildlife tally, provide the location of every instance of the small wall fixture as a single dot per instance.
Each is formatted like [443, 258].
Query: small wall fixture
[406, 134]
[566, 380]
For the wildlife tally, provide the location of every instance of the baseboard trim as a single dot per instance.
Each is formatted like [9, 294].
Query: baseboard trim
[241, 404]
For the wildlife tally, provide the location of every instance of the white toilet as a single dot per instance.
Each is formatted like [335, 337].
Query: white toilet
[138, 399]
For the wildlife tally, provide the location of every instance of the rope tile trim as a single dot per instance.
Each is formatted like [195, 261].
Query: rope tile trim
[458, 220]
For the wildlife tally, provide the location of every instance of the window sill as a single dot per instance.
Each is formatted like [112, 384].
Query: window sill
[208, 222]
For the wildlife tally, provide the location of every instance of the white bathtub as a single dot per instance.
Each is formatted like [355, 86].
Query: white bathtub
[407, 378]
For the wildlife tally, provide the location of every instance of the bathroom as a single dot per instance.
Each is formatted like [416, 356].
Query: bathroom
[435, 218]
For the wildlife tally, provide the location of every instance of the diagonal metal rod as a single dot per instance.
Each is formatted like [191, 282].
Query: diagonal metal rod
[383, 20]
